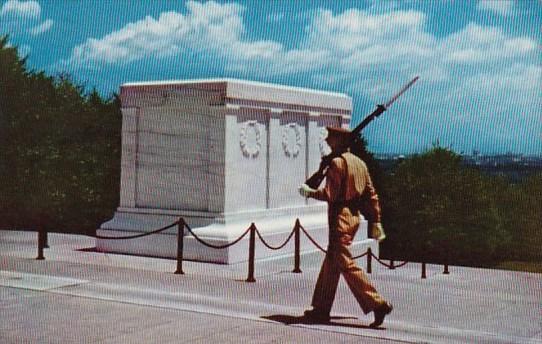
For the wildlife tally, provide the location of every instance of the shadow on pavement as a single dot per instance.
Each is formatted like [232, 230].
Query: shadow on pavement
[335, 321]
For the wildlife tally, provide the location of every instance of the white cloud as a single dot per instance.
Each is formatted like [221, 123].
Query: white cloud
[41, 28]
[478, 74]
[354, 44]
[477, 44]
[206, 27]
[501, 7]
[21, 9]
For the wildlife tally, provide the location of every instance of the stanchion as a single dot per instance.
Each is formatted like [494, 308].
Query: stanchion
[424, 275]
[369, 260]
[251, 253]
[297, 244]
[180, 247]
[41, 242]
[46, 240]
[446, 271]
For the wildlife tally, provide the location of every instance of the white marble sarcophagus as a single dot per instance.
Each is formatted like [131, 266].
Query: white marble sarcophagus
[222, 154]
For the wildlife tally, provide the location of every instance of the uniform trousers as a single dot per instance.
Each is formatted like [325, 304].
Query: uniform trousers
[338, 261]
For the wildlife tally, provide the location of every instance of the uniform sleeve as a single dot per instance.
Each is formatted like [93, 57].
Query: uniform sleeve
[334, 178]
[371, 205]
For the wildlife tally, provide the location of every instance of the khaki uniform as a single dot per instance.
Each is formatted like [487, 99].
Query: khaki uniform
[346, 179]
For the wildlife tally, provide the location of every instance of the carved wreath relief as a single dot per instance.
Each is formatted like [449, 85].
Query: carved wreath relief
[324, 147]
[291, 140]
[250, 139]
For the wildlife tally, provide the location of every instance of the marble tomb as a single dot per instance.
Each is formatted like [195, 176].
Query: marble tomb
[222, 153]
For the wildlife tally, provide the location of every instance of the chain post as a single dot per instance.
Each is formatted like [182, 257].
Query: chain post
[41, 242]
[46, 239]
[369, 260]
[392, 264]
[180, 246]
[297, 244]
[446, 270]
[424, 272]
[251, 253]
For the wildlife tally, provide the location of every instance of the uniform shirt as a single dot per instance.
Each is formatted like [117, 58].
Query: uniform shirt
[347, 178]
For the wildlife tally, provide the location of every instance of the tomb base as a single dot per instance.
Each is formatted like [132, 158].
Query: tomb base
[220, 229]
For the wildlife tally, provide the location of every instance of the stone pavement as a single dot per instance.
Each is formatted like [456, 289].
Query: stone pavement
[80, 296]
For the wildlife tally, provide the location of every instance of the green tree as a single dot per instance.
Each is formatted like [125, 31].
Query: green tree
[521, 206]
[61, 147]
[437, 210]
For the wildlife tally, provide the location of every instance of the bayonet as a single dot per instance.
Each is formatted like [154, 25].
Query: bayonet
[315, 180]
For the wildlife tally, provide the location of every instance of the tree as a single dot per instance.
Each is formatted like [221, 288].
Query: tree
[61, 149]
[521, 206]
[437, 210]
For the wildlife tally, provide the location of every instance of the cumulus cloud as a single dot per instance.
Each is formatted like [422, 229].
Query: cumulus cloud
[41, 28]
[398, 45]
[472, 73]
[481, 45]
[24, 17]
[501, 7]
[206, 27]
[21, 9]
[353, 44]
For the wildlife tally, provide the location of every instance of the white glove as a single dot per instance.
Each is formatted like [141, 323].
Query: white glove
[377, 231]
[305, 190]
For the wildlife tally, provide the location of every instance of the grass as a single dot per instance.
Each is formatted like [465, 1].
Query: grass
[520, 266]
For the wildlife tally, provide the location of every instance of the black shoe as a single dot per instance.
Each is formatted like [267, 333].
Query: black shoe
[380, 314]
[316, 316]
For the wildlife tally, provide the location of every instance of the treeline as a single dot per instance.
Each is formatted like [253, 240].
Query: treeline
[59, 150]
[438, 210]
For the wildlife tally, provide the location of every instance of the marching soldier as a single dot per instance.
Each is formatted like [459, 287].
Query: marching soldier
[348, 191]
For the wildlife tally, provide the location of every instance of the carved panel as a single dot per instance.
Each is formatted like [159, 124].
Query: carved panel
[250, 139]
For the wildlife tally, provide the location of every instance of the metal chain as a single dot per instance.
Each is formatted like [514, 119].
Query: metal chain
[388, 265]
[136, 235]
[311, 239]
[361, 255]
[272, 247]
[402, 264]
[217, 246]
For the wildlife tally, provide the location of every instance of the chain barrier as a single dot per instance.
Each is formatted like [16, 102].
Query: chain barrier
[401, 265]
[361, 255]
[312, 240]
[136, 235]
[389, 266]
[266, 244]
[218, 247]
[42, 235]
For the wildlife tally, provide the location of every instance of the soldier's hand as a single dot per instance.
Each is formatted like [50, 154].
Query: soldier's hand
[377, 231]
[305, 190]
[346, 239]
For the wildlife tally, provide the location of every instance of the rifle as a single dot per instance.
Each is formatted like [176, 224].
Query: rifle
[314, 181]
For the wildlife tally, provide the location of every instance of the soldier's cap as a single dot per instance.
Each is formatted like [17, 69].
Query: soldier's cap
[339, 132]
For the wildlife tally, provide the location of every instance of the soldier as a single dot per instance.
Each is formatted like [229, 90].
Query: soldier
[348, 191]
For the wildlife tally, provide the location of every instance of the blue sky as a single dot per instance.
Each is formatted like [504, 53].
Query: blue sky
[479, 62]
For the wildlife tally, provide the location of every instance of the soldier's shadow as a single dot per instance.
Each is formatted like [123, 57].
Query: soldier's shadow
[334, 321]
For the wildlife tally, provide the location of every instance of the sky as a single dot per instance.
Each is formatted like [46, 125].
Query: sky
[479, 62]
